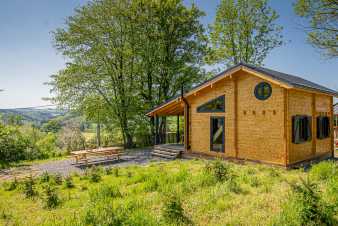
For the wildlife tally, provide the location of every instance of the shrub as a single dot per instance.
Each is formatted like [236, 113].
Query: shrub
[129, 174]
[308, 208]
[116, 172]
[173, 211]
[11, 185]
[323, 170]
[13, 144]
[103, 192]
[29, 188]
[108, 170]
[219, 169]
[45, 177]
[68, 183]
[58, 179]
[94, 175]
[51, 197]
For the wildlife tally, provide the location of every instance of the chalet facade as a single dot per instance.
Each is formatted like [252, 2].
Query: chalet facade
[254, 113]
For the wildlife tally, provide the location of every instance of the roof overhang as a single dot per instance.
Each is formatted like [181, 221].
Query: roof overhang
[175, 106]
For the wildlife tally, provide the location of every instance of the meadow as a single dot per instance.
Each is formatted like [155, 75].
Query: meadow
[188, 192]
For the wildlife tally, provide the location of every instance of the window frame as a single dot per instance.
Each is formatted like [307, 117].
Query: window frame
[211, 134]
[304, 136]
[321, 133]
[211, 111]
[261, 85]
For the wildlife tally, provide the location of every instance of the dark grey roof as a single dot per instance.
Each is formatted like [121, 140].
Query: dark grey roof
[291, 80]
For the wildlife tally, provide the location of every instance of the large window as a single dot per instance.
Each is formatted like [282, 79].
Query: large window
[323, 127]
[214, 105]
[217, 134]
[301, 128]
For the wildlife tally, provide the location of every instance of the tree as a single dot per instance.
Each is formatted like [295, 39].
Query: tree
[53, 126]
[132, 54]
[323, 24]
[243, 31]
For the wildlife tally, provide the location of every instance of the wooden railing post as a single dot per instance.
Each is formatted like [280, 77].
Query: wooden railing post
[178, 130]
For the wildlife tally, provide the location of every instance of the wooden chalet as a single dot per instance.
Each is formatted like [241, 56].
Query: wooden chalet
[253, 113]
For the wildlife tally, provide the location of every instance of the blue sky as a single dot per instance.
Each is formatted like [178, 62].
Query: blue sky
[27, 57]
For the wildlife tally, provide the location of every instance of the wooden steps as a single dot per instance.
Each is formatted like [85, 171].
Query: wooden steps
[166, 151]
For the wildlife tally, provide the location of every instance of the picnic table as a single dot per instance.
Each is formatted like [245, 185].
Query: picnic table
[107, 152]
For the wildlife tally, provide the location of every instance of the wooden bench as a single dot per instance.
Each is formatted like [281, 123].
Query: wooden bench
[108, 153]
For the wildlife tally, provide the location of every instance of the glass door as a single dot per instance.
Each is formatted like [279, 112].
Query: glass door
[217, 134]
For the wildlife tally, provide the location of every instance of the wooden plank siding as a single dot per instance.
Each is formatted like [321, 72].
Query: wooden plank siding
[257, 130]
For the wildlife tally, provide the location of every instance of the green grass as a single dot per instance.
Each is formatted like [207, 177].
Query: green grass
[173, 193]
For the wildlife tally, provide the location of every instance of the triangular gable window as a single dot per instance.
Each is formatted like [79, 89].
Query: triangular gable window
[214, 105]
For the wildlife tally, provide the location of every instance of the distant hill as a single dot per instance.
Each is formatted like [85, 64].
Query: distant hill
[34, 116]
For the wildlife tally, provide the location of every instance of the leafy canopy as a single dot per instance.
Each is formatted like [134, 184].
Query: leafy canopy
[243, 31]
[322, 30]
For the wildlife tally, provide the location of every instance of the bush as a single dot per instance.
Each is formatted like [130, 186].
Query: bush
[11, 185]
[219, 169]
[94, 175]
[51, 197]
[68, 183]
[47, 146]
[173, 211]
[45, 177]
[116, 172]
[58, 179]
[29, 188]
[306, 207]
[323, 170]
[103, 192]
[108, 170]
[12, 144]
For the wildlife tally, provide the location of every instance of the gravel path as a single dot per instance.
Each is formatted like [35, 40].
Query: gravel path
[66, 166]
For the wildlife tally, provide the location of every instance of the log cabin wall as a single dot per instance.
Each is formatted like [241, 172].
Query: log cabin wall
[260, 122]
[200, 122]
[311, 104]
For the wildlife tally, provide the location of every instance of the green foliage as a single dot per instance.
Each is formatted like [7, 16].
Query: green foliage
[322, 23]
[29, 187]
[51, 198]
[104, 192]
[45, 177]
[307, 207]
[173, 211]
[52, 126]
[159, 49]
[94, 174]
[116, 171]
[243, 31]
[108, 170]
[58, 179]
[13, 144]
[10, 186]
[68, 183]
[323, 170]
[219, 169]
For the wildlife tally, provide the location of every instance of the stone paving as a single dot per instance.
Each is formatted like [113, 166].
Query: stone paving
[66, 166]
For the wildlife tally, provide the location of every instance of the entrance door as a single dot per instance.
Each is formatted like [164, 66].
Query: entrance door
[217, 134]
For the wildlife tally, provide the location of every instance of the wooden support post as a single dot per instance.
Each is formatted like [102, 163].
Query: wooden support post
[186, 127]
[314, 124]
[286, 126]
[236, 115]
[178, 130]
[156, 130]
[331, 126]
